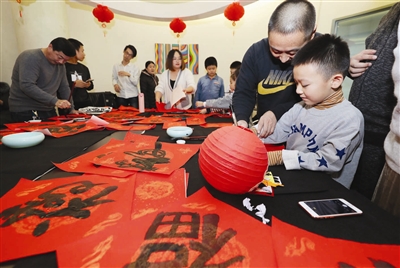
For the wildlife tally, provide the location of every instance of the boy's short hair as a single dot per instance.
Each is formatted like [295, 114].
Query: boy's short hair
[235, 65]
[134, 51]
[63, 45]
[330, 53]
[210, 61]
[75, 43]
[235, 74]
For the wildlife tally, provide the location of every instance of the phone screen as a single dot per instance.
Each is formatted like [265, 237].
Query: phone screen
[329, 207]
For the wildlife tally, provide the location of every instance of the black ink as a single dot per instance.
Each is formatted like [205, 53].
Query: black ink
[145, 159]
[209, 246]
[77, 207]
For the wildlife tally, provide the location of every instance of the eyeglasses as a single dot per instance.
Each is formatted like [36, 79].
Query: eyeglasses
[128, 54]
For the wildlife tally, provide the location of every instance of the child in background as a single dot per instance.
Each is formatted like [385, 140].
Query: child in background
[324, 131]
[224, 102]
[234, 66]
[210, 86]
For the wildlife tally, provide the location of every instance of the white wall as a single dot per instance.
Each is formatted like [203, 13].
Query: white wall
[214, 35]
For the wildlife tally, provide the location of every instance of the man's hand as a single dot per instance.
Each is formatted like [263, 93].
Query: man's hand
[82, 84]
[63, 104]
[74, 111]
[266, 124]
[123, 73]
[358, 64]
[117, 88]
[242, 123]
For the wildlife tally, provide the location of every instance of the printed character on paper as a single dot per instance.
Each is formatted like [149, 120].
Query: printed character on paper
[180, 239]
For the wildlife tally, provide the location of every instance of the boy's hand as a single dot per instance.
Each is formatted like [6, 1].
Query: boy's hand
[199, 104]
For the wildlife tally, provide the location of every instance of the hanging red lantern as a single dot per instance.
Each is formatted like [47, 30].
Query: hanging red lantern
[20, 8]
[177, 26]
[103, 14]
[234, 12]
[233, 160]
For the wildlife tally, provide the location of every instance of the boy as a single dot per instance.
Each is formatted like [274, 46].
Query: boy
[234, 66]
[210, 86]
[224, 102]
[324, 131]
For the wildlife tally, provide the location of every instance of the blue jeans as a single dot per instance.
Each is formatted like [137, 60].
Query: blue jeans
[29, 115]
[128, 102]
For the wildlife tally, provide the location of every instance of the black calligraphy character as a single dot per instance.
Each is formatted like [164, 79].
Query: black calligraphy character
[77, 207]
[209, 246]
[145, 159]
[66, 128]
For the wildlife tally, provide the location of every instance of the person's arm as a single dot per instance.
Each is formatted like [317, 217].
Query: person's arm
[222, 89]
[222, 103]
[143, 83]
[161, 87]
[91, 85]
[134, 76]
[114, 77]
[190, 84]
[198, 91]
[244, 98]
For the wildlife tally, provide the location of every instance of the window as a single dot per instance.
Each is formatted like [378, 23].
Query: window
[354, 30]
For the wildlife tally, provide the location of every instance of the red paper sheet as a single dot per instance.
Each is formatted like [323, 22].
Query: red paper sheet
[116, 126]
[83, 163]
[117, 116]
[39, 125]
[153, 192]
[37, 217]
[148, 156]
[196, 120]
[69, 117]
[199, 231]
[174, 124]
[63, 129]
[217, 125]
[157, 120]
[295, 247]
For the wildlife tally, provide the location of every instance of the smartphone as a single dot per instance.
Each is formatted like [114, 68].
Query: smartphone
[90, 80]
[329, 208]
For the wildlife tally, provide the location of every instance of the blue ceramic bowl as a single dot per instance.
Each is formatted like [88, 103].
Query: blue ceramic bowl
[23, 140]
[179, 132]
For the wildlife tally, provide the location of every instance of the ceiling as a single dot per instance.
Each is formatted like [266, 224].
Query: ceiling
[166, 10]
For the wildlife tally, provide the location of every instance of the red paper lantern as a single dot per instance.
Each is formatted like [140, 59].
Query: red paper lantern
[234, 12]
[177, 26]
[233, 160]
[103, 14]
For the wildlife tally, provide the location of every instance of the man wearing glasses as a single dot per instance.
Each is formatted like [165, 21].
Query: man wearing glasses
[266, 71]
[39, 83]
[125, 79]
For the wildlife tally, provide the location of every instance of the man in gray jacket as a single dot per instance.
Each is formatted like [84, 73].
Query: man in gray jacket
[39, 82]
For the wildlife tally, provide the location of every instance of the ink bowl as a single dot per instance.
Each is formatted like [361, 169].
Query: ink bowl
[23, 140]
[179, 132]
